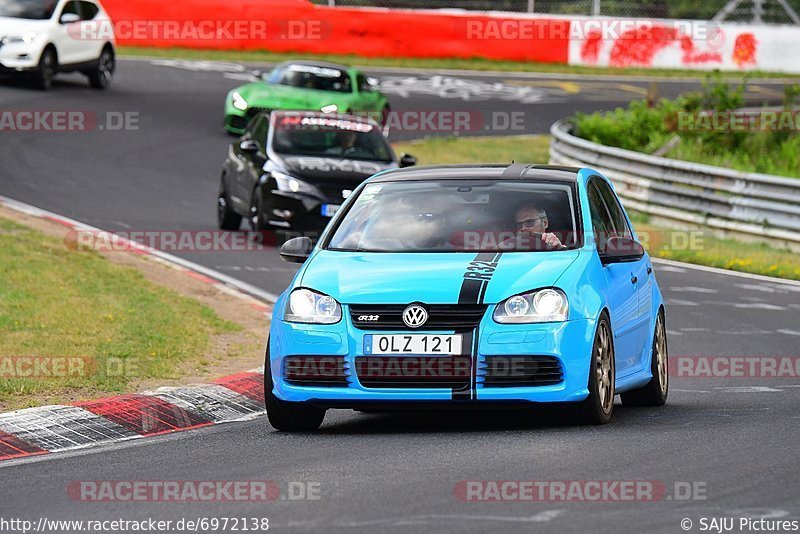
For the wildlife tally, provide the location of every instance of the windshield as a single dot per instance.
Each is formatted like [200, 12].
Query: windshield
[459, 216]
[312, 77]
[330, 137]
[27, 9]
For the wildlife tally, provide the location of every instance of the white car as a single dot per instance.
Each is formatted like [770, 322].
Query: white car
[40, 38]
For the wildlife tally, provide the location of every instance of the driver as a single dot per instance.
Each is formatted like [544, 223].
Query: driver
[346, 145]
[531, 221]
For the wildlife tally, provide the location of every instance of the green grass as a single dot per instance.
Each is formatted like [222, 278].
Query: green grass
[520, 148]
[704, 248]
[699, 247]
[477, 64]
[57, 302]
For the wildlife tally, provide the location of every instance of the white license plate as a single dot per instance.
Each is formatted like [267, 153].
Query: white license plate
[329, 210]
[412, 344]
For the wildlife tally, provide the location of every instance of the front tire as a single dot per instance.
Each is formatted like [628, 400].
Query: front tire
[656, 391]
[46, 69]
[227, 219]
[100, 77]
[598, 407]
[258, 220]
[288, 416]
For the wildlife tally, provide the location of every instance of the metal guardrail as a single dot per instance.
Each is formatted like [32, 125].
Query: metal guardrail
[752, 204]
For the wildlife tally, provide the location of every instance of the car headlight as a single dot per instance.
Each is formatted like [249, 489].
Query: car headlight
[291, 184]
[26, 38]
[306, 306]
[238, 101]
[330, 108]
[541, 306]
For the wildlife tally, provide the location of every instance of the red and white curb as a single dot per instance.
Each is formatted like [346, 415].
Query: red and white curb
[55, 428]
[47, 429]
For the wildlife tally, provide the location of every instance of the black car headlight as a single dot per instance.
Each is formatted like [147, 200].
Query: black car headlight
[547, 305]
[306, 306]
[290, 184]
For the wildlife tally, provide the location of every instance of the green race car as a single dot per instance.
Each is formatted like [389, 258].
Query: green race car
[306, 85]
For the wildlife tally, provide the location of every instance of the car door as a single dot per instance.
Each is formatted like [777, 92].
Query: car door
[238, 162]
[90, 47]
[623, 298]
[253, 159]
[67, 36]
[640, 271]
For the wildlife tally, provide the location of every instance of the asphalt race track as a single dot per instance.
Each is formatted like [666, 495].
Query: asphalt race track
[733, 440]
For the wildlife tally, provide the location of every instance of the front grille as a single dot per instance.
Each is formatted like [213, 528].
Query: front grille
[440, 316]
[315, 371]
[414, 371]
[237, 122]
[521, 371]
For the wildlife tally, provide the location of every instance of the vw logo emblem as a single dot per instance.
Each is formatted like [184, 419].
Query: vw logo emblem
[415, 316]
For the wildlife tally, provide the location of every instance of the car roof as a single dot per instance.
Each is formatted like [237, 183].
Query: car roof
[514, 171]
[314, 63]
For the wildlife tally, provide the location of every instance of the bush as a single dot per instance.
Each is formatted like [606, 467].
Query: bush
[647, 127]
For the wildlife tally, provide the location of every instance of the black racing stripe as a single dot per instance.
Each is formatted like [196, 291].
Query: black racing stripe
[470, 291]
[486, 256]
[473, 383]
[464, 393]
[483, 292]
[473, 291]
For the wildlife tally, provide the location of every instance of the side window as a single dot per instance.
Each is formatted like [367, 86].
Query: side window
[275, 75]
[602, 224]
[614, 209]
[88, 10]
[363, 85]
[70, 7]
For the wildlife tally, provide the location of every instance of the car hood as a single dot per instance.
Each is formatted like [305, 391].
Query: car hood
[17, 27]
[316, 169]
[271, 95]
[432, 278]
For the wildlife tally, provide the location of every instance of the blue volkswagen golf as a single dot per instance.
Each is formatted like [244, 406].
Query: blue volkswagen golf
[472, 286]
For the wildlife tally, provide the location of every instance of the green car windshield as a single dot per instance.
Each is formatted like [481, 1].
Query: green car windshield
[312, 77]
[329, 137]
[458, 216]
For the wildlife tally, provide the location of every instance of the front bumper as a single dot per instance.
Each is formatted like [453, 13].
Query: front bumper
[306, 210]
[570, 342]
[19, 57]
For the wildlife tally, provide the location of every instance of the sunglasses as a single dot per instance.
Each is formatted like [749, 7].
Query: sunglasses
[529, 223]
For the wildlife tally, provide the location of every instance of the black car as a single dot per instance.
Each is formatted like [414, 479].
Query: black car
[293, 169]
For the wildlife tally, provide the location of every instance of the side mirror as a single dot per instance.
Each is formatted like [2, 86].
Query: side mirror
[296, 250]
[249, 145]
[620, 250]
[69, 18]
[407, 160]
